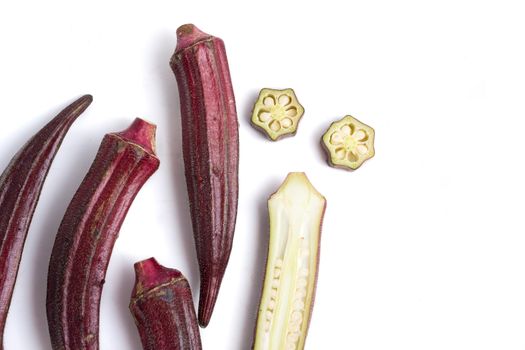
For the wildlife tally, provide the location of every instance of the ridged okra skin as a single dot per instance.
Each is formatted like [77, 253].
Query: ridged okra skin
[88, 232]
[210, 145]
[162, 306]
[296, 213]
[20, 187]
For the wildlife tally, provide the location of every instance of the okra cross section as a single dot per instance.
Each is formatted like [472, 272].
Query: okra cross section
[348, 143]
[296, 213]
[277, 113]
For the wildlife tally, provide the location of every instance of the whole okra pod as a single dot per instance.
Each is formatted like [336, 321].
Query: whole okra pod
[20, 187]
[210, 145]
[88, 232]
[162, 307]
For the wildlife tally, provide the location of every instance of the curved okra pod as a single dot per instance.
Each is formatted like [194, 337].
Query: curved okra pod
[162, 307]
[88, 232]
[296, 213]
[210, 145]
[20, 187]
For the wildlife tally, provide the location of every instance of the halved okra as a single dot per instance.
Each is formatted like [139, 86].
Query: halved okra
[296, 213]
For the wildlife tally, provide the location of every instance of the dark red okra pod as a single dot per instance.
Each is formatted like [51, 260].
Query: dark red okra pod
[162, 306]
[88, 231]
[20, 187]
[210, 145]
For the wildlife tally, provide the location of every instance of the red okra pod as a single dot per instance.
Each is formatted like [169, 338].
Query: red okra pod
[210, 145]
[162, 306]
[88, 232]
[20, 187]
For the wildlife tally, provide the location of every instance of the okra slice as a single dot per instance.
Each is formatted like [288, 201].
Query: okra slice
[348, 143]
[277, 113]
[296, 213]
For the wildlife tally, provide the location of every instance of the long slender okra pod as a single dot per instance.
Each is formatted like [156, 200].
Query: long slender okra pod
[20, 187]
[162, 307]
[210, 145]
[88, 231]
[296, 213]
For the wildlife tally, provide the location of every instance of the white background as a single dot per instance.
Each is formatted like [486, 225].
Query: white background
[423, 246]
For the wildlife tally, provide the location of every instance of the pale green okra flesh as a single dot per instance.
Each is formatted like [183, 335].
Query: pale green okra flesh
[277, 113]
[296, 212]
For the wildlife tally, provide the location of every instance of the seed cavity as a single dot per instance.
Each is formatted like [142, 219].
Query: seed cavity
[291, 112]
[269, 101]
[264, 116]
[286, 123]
[284, 100]
[275, 125]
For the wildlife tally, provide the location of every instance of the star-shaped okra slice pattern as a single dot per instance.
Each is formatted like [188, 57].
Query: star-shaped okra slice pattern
[277, 113]
[348, 143]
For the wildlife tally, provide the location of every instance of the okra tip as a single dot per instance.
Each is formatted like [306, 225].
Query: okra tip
[78, 106]
[208, 297]
[189, 34]
[150, 274]
[141, 133]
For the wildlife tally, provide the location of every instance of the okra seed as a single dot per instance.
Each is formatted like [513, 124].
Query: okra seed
[293, 337]
[291, 112]
[276, 272]
[286, 123]
[340, 153]
[269, 315]
[295, 326]
[271, 305]
[284, 100]
[275, 283]
[275, 125]
[264, 116]
[352, 157]
[279, 262]
[269, 101]
[362, 149]
[303, 272]
[360, 135]
[296, 316]
[346, 130]
[336, 138]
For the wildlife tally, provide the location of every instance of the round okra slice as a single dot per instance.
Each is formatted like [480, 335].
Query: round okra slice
[348, 143]
[277, 113]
